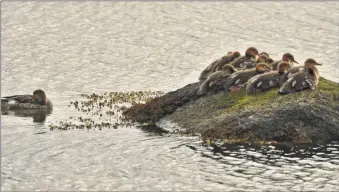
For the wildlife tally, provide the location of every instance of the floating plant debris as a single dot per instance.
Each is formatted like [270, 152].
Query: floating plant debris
[104, 111]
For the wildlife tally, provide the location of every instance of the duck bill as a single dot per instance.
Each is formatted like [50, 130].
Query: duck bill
[318, 64]
[294, 61]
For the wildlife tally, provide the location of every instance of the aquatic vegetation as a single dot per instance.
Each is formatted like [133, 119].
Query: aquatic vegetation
[104, 111]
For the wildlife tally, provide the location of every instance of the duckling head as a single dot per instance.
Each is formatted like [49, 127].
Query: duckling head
[236, 54]
[264, 53]
[40, 96]
[269, 61]
[251, 52]
[283, 67]
[262, 68]
[289, 58]
[229, 68]
[311, 62]
[310, 67]
[262, 59]
[230, 53]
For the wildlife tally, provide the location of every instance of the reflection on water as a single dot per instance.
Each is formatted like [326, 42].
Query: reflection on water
[38, 115]
[71, 48]
[271, 155]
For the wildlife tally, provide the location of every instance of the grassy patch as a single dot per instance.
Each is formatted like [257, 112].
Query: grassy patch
[326, 90]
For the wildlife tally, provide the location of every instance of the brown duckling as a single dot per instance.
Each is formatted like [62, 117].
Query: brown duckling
[25, 101]
[266, 81]
[226, 71]
[307, 78]
[308, 63]
[225, 60]
[261, 59]
[288, 57]
[216, 65]
[250, 55]
[269, 61]
[239, 79]
[266, 54]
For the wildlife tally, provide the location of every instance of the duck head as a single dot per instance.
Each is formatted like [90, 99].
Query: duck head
[269, 61]
[40, 96]
[251, 52]
[264, 53]
[230, 53]
[289, 58]
[236, 54]
[262, 68]
[262, 59]
[310, 66]
[311, 62]
[229, 68]
[283, 67]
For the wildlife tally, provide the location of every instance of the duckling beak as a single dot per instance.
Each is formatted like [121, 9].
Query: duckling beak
[295, 61]
[318, 64]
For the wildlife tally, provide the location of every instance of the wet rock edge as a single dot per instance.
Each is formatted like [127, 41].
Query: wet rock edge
[307, 117]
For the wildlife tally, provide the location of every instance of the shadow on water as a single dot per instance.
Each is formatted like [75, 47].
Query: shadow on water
[273, 155]
[38, 115]
[153, 128]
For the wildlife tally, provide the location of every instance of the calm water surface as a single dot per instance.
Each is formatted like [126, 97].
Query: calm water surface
[68, 48]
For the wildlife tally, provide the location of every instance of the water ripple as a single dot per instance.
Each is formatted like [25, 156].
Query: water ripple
[68, 48]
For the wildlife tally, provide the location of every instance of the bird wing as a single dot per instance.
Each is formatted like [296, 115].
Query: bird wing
[19, 98]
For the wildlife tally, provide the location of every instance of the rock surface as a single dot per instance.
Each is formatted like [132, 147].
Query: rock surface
[304, 117]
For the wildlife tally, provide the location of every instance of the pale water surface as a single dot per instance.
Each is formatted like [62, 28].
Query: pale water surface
[68, 48]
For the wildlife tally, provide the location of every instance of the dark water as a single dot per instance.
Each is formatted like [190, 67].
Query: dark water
[68, 48]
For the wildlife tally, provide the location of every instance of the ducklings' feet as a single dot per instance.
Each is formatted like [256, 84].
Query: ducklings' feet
[235, 89]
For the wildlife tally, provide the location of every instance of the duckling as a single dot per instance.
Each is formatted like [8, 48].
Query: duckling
[263, 82]
[240, 78]
[218, 64]
[269, 61]
[26, 101]
[225, 60]
[261, 59]
[266, 54]
[288, 57]
[226, 71]
[307, 78]
[250, 55]
[309, 62]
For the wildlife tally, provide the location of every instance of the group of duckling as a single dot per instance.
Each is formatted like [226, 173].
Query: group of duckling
[259, 73]
[253, 71]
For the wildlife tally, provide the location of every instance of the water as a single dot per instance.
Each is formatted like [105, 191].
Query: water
[68, 48]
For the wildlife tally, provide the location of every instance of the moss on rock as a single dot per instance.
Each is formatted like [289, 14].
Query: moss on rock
[303, 117]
